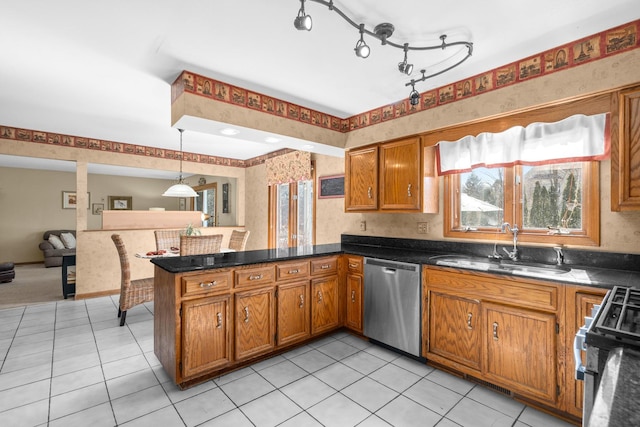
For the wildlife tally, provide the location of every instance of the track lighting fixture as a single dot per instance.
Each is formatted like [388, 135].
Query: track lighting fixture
[403, 66]
[382, 32]
[362, 49]
[303, 21]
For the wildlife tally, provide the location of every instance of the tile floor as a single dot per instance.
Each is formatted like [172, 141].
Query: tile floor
[70, 364]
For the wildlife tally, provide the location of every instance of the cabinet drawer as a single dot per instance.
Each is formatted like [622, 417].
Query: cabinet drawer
[206, 283]
[354, 264]
[255, 276]
[292, 270]
[324, 265]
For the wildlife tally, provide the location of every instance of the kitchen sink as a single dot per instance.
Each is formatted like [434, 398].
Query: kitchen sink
[500, 266]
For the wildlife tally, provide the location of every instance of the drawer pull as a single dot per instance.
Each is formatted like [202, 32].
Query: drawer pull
[353, 265]
[325, 266]
[219, 317]
[319, 297]
[469, 319]
[208, 284]
[495, 331]
[301, 301]
[256, 277]
[353, 296]
[296, 271]
[409, 190]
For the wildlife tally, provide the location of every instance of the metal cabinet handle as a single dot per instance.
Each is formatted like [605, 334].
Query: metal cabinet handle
[353, 265]
[301, 301]
[409, 190]
[246, 315]
[325, 266]
[369, 193]
[256, 277]
[353, 296]
[209, 284]
[495, 331]
[219, 317]
[319, 297]
[294, 271]
[469, 319]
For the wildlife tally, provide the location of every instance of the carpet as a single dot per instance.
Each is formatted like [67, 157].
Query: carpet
[34, 284]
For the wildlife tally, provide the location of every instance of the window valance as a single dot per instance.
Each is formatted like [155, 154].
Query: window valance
[290, 167]
[576, 138]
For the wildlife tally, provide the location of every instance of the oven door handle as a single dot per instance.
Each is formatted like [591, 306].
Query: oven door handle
[578, 348]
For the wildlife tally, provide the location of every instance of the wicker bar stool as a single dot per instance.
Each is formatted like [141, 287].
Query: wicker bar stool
[167, 239]
[132, 292]
[195, 245]
[238, 240]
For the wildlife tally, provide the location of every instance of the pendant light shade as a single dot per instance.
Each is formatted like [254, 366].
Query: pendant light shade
[180, 189]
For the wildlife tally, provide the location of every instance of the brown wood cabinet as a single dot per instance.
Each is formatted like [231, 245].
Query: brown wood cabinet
[293, 312]
[625, 150]
[324, 304]
[580, 301]
[501, 330]
[355, 292]
[206, 340]
[254, 322]
[391, 177]
[361, 179]
[401, 175]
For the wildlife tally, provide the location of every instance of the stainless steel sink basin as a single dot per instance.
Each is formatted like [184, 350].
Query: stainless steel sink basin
[500, 266]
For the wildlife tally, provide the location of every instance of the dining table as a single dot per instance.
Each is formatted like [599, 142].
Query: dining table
[170, 253]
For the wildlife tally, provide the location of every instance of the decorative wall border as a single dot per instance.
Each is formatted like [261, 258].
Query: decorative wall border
[573, 54]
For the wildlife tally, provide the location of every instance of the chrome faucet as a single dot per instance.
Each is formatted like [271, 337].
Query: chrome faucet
[514, 255]
[559, 255]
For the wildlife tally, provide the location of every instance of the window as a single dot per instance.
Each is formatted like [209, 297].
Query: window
[555, 203]
[292, 214]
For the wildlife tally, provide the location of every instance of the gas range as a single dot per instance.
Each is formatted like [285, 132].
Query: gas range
[617, 323]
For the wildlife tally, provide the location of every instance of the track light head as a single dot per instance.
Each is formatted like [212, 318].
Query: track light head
[404, 67]
[362, 49]
[414, 96]
[302, 21]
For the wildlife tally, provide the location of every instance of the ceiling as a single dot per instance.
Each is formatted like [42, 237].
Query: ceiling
[104, 69]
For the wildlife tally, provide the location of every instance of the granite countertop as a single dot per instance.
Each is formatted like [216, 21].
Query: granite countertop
[576, 274]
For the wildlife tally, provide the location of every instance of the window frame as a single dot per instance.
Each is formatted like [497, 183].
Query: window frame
[588, 236]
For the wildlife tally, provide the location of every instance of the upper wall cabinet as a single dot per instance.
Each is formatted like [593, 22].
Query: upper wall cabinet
[625, 150]
[395, 176]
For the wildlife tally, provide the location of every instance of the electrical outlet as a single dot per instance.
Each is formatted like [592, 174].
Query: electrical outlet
[423, 228]
[363, 225]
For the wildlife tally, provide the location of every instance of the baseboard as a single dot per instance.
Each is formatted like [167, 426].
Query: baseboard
[97, 294]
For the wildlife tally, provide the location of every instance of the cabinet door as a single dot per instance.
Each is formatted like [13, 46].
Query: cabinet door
[454, 329]
[625, 151]
[361, 179]
[255, 322]
[521, 350]
[354, 302]
[401, 175]
[580, 301]
[205, 335]
[324, 304]
[293, 312]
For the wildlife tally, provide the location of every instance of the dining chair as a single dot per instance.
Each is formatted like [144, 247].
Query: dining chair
[203, 244]
[132, 292]
[238, 240]
[167, 239]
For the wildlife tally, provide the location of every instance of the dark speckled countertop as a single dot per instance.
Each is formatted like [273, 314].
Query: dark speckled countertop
[588, 268]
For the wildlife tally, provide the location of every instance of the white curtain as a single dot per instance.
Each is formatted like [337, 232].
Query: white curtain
[577, 138]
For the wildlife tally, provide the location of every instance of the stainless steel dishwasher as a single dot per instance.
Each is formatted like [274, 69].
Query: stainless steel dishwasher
[392, 297]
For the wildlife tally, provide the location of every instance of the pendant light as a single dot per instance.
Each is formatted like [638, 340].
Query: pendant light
[180, 189]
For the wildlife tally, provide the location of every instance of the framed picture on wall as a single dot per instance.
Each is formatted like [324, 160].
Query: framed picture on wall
[70, 200]
[330, 187]
[97, 208]
[120, 203]
[225, 198]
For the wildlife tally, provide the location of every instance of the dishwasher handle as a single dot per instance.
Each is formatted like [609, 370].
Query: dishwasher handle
[388, 270]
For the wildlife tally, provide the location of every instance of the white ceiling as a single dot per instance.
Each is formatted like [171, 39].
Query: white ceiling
[104, 69]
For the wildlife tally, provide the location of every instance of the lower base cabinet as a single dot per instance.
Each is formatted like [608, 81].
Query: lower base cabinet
[254, 322]
[206, 338]
[293, 312]
[324, 304]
